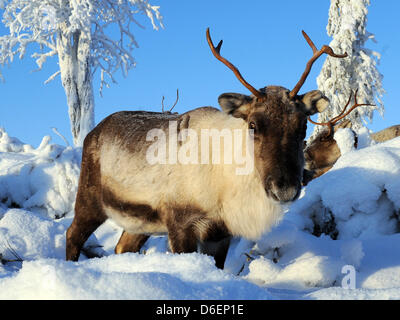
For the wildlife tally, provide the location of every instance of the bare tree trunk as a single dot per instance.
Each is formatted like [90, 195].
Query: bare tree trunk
[74, 60]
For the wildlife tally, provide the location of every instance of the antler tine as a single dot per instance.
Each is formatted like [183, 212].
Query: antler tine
[317, 53]
[335, 119]
[355, 97]
[162, 104]
[216, 53]
[218, 48]
[331, 123]
[176, 101]
[309, 41]
[356, 105]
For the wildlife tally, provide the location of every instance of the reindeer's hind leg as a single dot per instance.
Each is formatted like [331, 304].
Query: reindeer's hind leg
[130, 242]
[89, 214]
[88, 217]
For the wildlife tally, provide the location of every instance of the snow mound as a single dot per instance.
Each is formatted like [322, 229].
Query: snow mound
[358, 198]
[128, 276]
[42, 180]
[345, 140]
[33, 236]
[290, 258]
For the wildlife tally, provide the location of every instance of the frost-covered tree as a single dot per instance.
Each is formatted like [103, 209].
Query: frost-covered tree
[347, 26]
[85, 35]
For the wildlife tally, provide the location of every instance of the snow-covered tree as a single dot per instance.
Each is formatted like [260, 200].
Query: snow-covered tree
[347, 26]
[85, 35]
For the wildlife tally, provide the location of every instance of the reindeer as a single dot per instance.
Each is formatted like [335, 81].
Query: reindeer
[323, 152]
[196, 204]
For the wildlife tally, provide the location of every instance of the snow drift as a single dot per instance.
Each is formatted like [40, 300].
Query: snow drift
[358, 198]
[42, 180]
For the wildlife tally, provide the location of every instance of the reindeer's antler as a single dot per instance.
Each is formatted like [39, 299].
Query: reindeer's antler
[216, 53]
[176, 101]
[317, 53]
[331, 123]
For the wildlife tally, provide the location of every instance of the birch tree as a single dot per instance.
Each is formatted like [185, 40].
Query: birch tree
[81, 33]
[339, 77]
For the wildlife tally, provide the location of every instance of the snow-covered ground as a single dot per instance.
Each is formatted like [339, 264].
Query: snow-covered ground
[340, 240]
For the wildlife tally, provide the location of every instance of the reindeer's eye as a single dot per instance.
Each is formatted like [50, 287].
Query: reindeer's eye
[252, 125]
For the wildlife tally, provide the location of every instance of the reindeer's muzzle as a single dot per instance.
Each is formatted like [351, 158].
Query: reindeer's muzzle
[283, 192]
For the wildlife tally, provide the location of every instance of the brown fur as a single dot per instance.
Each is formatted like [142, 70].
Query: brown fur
[386, 134]
[142, 211]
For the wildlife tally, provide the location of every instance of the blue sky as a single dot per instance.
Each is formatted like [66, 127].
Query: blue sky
[261, 37]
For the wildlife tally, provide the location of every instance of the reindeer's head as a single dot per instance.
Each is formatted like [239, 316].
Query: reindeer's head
[323, 151]
[278, 117]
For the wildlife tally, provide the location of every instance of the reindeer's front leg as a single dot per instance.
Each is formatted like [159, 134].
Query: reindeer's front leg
[181, 227]
[181, 240]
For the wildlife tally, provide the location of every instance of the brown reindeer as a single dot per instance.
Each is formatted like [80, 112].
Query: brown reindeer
[323, 152]
[196, 203]
[386, 134]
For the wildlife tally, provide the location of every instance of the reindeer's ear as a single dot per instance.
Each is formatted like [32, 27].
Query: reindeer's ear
[235, 104]
[314, 101]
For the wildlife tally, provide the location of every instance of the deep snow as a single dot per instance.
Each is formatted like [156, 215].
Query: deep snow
[357, 203]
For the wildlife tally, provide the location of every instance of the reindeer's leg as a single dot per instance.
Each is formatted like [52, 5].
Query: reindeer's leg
[215, 242]
[188, 226]
[182, 237]
[220, 255]
[89, 214]
[182, 240]
[77, 234]
[217, 249]
[130, 242]
[88, 217]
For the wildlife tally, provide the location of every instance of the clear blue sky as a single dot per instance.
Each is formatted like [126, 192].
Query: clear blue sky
[261, 37]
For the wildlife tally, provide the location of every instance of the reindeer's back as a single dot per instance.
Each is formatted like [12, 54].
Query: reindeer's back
[119, 145]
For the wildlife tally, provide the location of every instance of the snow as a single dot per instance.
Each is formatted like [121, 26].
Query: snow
[128, 276]
[361, 193]
[347, 219]
[345, 140]
[41, 180]
[31, 235]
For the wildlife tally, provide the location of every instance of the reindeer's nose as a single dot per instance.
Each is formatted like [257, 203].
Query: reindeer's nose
[285, 193]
